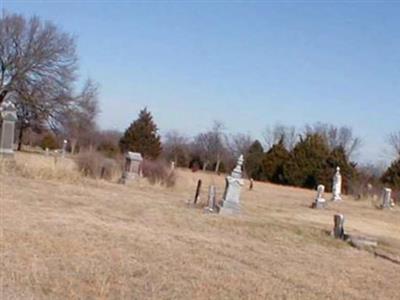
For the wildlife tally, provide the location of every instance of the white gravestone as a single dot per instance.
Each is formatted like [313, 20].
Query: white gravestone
[319, 202]
[337, 186]
[211, 199]
[234, 183]
[64, 148]
[387, 198]
[8, 119]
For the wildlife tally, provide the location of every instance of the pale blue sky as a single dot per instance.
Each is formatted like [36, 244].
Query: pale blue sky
[247, 64]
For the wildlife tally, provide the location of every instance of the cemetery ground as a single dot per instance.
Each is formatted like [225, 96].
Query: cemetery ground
[68, 237]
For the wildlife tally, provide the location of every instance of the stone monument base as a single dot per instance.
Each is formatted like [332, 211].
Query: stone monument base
[229, 208]
[336, 199]
[319, 204]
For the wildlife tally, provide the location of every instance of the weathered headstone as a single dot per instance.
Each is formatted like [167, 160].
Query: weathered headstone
[337, 186]
[211, 199]
[338, 229]
[132, 167]
[197, 194]
[8, 119]
[370, 191]
[319, 201]
[234, 183]
[47, 152]
[251, 184]
[64, 148]
[172, 167]
[387, 198]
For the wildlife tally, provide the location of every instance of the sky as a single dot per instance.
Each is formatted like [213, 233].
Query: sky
[249, 64]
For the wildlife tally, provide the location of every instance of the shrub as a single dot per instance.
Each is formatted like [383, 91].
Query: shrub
[142, 136]
[273, 161]
[95, 165]
[108, 149]
[307, 166]
[49, 141]
[392, 175]
[158, 172]
[253, 159]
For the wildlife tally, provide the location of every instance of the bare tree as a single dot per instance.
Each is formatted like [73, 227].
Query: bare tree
[239, 144]
[394, 142]
[38, 64]
[211, 145]
[79, 121]
[175, 145]
[336, 136]
[272, 136]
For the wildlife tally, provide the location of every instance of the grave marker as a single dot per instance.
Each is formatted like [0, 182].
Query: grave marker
[234, 183]
[8, 119]
[338, 229]
[337, 186]
[319, 202]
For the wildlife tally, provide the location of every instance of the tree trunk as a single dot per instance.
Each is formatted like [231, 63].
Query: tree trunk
[73, 146]
[3, 95]
[217, 166]
[20, 135]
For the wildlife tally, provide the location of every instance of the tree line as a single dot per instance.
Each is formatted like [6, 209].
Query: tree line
[39, 74]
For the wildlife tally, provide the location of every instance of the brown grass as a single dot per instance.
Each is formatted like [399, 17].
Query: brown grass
[66, 239]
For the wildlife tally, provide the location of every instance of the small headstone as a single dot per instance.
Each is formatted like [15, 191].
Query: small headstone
[387, 198]
[338, 229]
[64, 148]
[337, 186]
[319, 201]
[172, 166]
[8, 119]
[47, 152]
[197, 194]
[234, 183]
[211, 199]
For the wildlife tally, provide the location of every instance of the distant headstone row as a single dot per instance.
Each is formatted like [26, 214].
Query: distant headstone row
[231, 198]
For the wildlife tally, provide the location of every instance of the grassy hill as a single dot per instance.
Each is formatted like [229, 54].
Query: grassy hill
[67, 237]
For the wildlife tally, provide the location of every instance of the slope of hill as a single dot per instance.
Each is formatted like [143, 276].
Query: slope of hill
[83, 239]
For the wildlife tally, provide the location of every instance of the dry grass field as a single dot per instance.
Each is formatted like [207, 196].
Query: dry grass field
[66, 237]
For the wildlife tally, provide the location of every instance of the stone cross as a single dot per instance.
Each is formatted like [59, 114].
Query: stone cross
[234, 183]
[337, 186]
[387, 198]
[338, 229]
[319, 202]
[8, 119]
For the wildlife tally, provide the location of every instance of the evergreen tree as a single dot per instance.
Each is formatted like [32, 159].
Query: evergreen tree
[308, 163]
[141, 136]
[392, 175]
[273, 162]
[253, 161]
